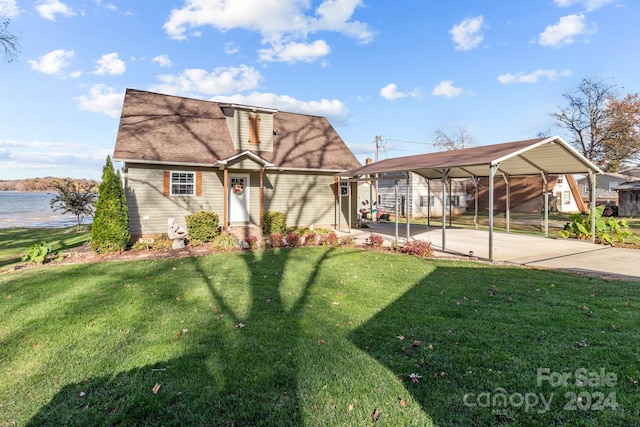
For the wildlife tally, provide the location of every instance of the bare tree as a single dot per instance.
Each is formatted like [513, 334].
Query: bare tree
[9, 42]
[443, 141]
[603, 127]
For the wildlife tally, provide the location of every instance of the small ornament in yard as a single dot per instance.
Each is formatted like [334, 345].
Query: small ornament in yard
[177, 234]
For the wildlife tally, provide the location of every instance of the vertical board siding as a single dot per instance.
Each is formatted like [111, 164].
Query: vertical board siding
[144, 185]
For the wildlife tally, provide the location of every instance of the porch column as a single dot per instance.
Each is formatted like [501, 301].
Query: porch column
[408, 205]
[225, 199]
[476, 181]
[261, 195]
[546, 204]
[507, 202]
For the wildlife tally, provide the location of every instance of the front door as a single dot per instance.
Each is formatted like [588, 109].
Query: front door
[239, 201]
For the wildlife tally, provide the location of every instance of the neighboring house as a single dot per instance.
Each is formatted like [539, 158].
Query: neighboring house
[629, 199]
[180, 156]
[425, 196]
[606, 185]
[526, 194]
[633, 172]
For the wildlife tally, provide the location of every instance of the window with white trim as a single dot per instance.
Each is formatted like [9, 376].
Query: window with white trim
[183, 183]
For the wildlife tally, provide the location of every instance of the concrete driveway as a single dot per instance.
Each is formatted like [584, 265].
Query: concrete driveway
[520, 249]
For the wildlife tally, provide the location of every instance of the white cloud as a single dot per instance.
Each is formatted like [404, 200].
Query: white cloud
[48, 9]
[9, 8]
[219, 81]
[589, 5]
[532, 77]
[468, 34]
[565, 31]
[283, 24]
[332, 109]
[162, 60]
[108, 6]
[391, 93]
[295, 52]
[109, 64]
[231, 48]
[447, 89]
[102, 99]
[53, 62]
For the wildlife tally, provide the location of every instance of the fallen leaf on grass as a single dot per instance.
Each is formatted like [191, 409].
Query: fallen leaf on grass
[350, 407]
[632, 381]
[240, 325]
[415, 378]
[582, 343]
[416, 343]
[400, 337]
[402, 402]
[321, 342]
[375, 415]
[155, 388]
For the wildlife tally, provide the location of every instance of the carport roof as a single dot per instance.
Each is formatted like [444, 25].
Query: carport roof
[552, 156]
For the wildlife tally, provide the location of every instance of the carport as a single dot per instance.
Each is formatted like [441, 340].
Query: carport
[534, 157]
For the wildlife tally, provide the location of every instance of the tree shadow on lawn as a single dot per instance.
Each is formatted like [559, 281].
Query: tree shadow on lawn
[238, 369]
[457, 335]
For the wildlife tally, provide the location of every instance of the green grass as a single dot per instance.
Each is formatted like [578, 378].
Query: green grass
[15, 242]
[309, 336]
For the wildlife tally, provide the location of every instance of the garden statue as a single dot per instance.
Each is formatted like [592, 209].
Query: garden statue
[176, 233]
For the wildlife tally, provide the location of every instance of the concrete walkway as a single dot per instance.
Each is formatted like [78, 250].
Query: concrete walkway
[515, 248]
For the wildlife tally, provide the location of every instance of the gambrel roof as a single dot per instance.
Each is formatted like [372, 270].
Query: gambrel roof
[166, 129]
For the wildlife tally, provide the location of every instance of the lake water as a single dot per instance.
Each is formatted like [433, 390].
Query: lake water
[31, 209]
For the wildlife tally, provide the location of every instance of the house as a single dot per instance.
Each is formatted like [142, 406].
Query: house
[181, 155]
[425, 196]
[629, 198]
[526, 194]
[606, 185]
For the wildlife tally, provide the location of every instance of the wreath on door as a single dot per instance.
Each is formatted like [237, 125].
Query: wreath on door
[238, 188]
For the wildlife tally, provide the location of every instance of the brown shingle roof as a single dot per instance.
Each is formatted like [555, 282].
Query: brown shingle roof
[167, 129]
[520, 158]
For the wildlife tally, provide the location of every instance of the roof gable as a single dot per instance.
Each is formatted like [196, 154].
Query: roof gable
[165, 129]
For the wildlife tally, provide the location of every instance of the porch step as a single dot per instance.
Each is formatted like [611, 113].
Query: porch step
[241, 232]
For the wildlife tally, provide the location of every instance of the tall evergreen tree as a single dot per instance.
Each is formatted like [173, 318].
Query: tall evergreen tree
[110, 230]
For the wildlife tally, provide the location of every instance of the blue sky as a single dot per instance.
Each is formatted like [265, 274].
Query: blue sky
[399, 69]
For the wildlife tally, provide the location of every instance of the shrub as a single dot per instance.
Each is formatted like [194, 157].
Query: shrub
[163, 244]
[348, 241]
[274, 222]
[110, 229]
[310, 239]
[253, 242]
[293, 239]
[203, 226]
[418, 248]
[276, 240]
[329, 239]
[376, 240]
[608, 229]
[224, 242]
[38, 253]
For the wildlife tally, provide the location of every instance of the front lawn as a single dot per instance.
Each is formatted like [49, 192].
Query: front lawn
[16, 242]
[316, 336]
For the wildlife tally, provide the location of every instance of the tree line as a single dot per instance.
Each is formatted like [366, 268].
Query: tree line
[45, 184]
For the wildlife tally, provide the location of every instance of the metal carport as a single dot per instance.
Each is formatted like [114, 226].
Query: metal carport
[534, 157]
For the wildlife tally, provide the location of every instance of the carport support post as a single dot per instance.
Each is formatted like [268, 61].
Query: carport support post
[408, 206]
[592, 179]
[492, 174]
[476, 182]
[546, 204]
[507, 215]
[395, 195]
[444, 210]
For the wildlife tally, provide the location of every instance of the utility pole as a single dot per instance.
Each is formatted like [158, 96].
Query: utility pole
[379, 139]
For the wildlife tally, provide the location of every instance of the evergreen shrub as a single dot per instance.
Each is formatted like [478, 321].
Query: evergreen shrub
[203, 225]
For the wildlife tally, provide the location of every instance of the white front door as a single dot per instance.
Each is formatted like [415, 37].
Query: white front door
[239, 201]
